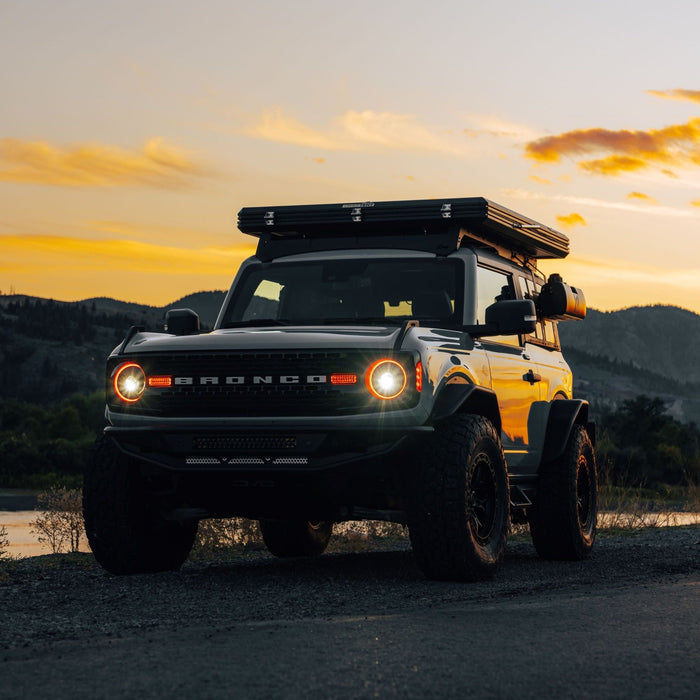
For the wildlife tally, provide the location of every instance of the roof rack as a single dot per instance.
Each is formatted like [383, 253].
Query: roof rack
[437, 225]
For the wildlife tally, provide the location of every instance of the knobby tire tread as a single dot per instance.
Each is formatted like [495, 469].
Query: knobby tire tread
[439, 536]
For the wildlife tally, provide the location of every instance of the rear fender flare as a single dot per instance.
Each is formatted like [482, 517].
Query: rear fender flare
[563, 415]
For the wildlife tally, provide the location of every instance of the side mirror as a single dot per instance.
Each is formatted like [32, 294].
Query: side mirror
[560, 302]
[507, 317]
[182, 322]
[512, 316]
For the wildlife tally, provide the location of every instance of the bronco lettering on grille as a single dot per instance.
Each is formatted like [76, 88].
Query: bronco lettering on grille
[255, 379]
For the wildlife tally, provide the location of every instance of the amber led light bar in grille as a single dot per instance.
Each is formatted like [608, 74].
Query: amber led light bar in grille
[159, 382]
[343, 378]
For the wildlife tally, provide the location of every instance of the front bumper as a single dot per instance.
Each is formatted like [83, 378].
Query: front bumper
[246, 449]
[332, 474]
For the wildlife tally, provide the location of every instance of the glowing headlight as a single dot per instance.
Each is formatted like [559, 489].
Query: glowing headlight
[129, 382]
[386, 379]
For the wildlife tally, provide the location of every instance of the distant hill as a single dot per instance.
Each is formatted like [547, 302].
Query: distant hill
[653, 350]
[662, 339]
[50, 349]
[206, 304]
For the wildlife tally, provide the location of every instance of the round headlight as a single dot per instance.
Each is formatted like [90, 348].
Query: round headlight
[386, 379]
[129, 382]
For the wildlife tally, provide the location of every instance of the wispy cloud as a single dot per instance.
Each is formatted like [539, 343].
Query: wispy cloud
[677, 145]
[641, 197]
[31, 252]
[603, 204]
[489, 125]
[157, 164]
[642, 275]
[678, 94]
[571, 220]
[360, 131]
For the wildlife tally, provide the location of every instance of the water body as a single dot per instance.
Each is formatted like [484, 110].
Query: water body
[23, 543]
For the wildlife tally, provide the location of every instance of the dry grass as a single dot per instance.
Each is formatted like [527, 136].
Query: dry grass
[626, 507]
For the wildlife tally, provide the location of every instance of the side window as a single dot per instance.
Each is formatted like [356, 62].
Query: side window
[545, 331]
[492, 286]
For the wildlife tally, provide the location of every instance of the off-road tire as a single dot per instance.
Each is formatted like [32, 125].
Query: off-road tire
[126, 533]
[460, 508]
[295, 538]
[564, 513]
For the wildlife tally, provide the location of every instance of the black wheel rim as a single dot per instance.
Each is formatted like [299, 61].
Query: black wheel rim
[482, 499]
[583, 494]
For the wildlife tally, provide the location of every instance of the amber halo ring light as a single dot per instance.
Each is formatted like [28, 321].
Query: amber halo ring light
[386, 379]
[129, 382]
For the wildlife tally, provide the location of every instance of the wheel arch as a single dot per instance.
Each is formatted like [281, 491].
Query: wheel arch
[563, 415]
[453, 399]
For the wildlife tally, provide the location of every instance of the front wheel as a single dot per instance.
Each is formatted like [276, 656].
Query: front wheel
[126, 533]
[460, 512]
[295, 538]
[564, 514]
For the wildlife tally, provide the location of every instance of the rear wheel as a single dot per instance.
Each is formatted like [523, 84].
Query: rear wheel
[460, 513]
[126, 533]
[296, 538]
[564, 514]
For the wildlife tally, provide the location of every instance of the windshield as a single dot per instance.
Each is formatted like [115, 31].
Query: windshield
[347, 291]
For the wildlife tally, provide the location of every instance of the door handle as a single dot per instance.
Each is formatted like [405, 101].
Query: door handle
[532, 377]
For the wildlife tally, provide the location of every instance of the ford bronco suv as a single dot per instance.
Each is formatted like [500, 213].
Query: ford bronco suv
[393, 361]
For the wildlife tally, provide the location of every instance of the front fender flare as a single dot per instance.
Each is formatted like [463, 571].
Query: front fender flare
[466, 398]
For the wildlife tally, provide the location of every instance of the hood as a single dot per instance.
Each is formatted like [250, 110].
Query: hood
[276, 338]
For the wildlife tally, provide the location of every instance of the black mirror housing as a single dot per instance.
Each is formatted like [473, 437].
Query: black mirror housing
[182, 322]
[507, 317]
[512, 316]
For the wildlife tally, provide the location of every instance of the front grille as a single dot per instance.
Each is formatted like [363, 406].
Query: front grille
[247, 443]
[245, 461]
[286, 384]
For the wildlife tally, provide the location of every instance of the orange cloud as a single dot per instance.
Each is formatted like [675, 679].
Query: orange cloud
[540, 180]
[641, 196]
[696, 202]
[680, 95]
[677, 145]
[157, 164]
[571, 220]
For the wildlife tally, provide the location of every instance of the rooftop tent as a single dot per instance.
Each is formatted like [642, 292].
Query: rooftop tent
[437, 225]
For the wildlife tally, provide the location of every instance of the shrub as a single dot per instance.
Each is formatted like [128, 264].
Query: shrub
[216, 536]
[4, 542]
[61, 520]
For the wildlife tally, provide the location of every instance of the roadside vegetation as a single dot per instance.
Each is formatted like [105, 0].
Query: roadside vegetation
[59, 522]
[42, 447]
[649, 469]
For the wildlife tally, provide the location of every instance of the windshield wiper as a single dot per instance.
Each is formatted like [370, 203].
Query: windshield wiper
[370, 320]
[256, 322]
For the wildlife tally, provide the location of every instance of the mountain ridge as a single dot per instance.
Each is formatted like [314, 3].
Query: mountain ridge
[615, 355]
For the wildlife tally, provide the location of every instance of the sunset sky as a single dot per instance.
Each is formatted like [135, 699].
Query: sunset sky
[131, 133]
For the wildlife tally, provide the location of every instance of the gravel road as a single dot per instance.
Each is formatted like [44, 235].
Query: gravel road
[262, 627]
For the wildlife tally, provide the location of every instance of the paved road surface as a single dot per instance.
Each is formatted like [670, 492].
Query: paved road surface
[624, 625]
